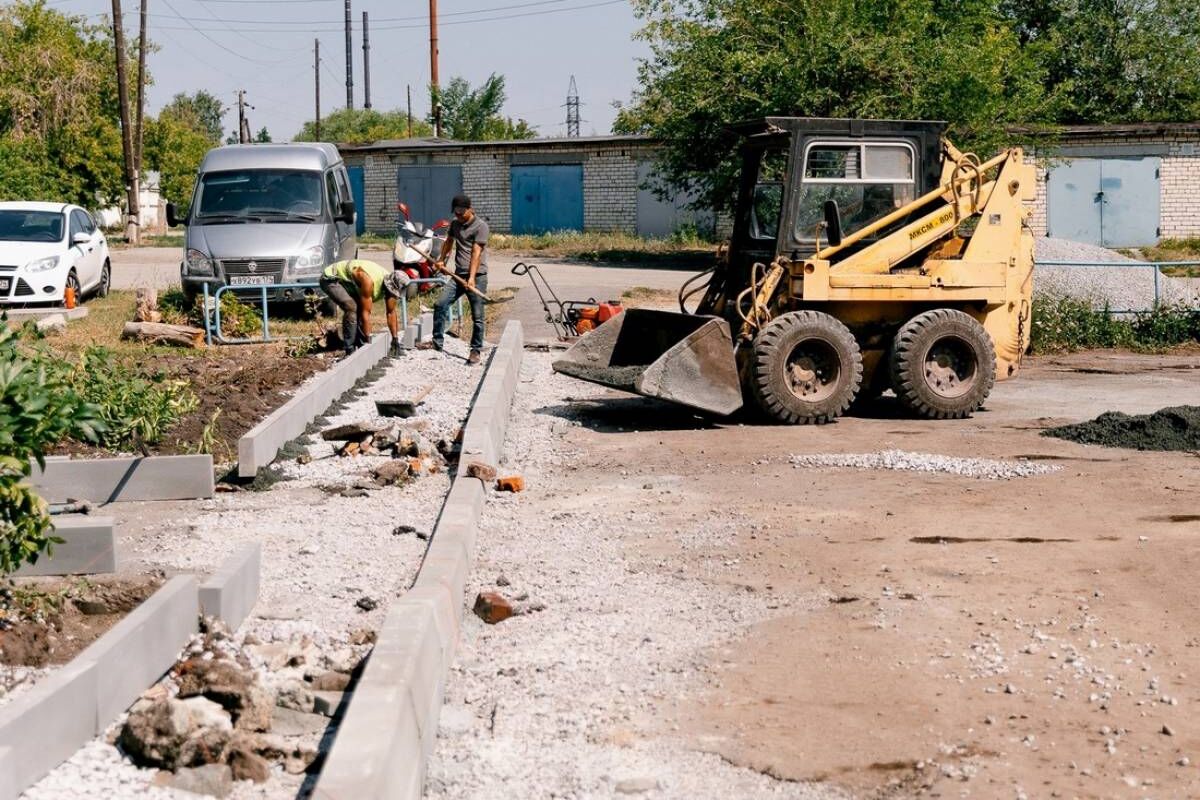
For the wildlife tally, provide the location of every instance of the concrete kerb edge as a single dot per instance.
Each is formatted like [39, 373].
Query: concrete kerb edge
[46, 726]
[438, 593]
[231, 593]
[88, 548]
[125, 478]
[261, 444]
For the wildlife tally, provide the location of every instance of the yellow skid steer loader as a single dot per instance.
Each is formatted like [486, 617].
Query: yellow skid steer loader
[866, 255]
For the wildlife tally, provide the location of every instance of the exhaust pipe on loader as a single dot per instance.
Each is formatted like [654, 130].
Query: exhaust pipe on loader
[681, 358]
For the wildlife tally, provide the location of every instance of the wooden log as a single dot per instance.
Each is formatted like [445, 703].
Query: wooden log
[161, 333]
[147, 306]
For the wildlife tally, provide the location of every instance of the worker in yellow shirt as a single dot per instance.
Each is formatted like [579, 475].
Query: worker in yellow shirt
[355, 285]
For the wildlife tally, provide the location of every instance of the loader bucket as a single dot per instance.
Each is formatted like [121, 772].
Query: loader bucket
[680, 358]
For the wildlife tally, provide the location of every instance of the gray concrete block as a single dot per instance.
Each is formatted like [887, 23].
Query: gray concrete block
[22, 314]
[232, 591]
[8, 775]
[108, 480]
[140, 648]
[45, 726]
[425, 326]
[87, 548]
[261, 444]
[410, 337]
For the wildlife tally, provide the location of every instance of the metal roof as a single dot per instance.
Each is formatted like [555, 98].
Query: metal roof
[298, 155]
[1108, 129]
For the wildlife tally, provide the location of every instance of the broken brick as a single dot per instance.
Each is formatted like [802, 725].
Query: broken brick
[492, 607]
[485, 472]
[513, 483]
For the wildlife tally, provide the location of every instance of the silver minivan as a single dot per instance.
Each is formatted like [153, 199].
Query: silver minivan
[264, 215]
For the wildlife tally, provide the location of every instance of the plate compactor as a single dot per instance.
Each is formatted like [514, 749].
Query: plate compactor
[865, 255]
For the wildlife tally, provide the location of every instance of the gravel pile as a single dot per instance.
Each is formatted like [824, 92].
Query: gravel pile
[1128, 288]
[331, 561]
[984, 468]
[1176, 428]
[555, 703]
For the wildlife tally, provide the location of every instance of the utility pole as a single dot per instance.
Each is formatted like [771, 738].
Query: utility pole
[408, 91]
[143, 44]
[132, 212]
[243, 125]
[433, 68]
[317, 85]
[366, 63]
[349, 63]
[572, 109]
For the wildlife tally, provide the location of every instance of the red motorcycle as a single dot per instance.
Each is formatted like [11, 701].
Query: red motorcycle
[414, 244]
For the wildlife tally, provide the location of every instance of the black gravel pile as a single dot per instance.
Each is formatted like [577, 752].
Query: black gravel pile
[1174, 428]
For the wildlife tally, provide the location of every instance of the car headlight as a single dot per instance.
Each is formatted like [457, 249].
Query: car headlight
[198, 263]
[311, 258]
[42, 264]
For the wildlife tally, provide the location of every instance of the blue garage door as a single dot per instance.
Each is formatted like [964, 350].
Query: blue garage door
[1112, 202]
[547, 198]
[428, 191]
[359, 192]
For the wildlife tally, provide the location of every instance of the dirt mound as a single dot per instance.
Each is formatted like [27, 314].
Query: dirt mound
[1174, 428]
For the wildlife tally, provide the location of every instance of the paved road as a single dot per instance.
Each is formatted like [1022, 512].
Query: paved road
[158, 267]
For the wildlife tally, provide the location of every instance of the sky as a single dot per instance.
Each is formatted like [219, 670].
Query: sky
[266, 48]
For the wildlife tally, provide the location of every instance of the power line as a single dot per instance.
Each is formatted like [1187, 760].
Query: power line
[410, 18]
[223, 47]
[337, 28]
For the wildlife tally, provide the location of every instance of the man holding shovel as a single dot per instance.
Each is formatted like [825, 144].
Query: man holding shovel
[468, 236]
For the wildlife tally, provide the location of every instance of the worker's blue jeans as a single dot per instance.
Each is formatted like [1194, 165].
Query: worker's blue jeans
[450, 295]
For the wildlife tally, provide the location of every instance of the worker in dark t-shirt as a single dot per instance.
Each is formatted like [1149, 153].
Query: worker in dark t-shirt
[468, 236]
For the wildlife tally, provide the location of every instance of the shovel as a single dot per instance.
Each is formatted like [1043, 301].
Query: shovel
[457, 279]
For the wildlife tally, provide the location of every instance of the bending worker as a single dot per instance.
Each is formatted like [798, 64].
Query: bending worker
[355, 285]
[468, 236]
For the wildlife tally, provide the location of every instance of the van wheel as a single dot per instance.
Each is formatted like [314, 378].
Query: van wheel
[806, 368]
[943, 364]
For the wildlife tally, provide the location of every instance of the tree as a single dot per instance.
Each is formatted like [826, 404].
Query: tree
[263, 136]
[1115, 60]
[207, 112]
[714, 62]
[175, 144]
[473, 115]
[59, 133]
[361, 125]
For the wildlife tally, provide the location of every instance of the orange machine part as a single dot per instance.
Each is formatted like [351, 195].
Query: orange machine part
[608, 310]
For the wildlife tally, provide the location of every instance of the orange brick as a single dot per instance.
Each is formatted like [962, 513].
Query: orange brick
[513, 483]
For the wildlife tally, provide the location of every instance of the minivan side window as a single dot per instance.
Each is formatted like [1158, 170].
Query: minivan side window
[331, 192]
[343, 186]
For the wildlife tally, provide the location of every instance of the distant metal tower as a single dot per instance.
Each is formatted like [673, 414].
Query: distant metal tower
[572, 109]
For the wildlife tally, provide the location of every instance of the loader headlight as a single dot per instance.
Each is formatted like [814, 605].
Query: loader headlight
[198, 263]
[311, 258]
[42, 264]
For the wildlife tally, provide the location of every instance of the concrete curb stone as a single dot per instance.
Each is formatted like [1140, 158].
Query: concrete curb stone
[261, 444]
[88, 548]
[390, 728]
[232, 591]
[108, 480]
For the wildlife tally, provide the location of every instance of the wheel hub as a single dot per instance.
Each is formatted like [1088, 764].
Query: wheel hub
[813, 371]
[951, 368]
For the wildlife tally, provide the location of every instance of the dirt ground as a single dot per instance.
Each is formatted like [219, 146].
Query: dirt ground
[936, 635]
[79, 611]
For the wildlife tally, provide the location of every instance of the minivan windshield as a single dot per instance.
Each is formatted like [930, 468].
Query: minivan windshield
[30, 226]
[259, 195]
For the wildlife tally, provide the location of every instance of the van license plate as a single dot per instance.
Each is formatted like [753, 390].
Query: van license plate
[251, 280]
[4, 284]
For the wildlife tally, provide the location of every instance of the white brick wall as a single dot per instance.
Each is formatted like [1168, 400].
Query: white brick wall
[1179, 185]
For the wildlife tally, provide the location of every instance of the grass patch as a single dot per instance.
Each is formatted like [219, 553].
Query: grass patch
[1066, 324]
[644, 295]
[1172, 250]
[683, 250]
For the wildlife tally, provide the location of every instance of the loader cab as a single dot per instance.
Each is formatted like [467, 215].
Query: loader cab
[792, 166]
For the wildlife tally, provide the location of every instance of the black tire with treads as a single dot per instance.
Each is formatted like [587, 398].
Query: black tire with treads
[943, 364]
[810, 344]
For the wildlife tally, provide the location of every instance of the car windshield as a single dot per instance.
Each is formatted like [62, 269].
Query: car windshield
[30, 226]
[258, 194]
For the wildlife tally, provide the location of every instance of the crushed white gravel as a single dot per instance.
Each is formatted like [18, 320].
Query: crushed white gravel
[550, 704]
[985, 468]
[321, 552]
[1126, 285]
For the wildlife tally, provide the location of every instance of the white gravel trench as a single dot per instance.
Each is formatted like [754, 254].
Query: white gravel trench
[322, 553]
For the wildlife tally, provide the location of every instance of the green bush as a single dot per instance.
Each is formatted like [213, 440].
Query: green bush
[136, 409]
[1065, 324]
[39, 406]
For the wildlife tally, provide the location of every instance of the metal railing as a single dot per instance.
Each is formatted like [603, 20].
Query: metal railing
[212, 309]
[1154, 265]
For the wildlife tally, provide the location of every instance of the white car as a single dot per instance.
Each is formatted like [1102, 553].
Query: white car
[46, 247]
